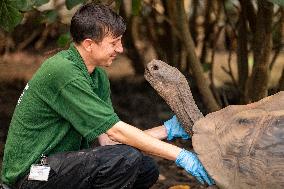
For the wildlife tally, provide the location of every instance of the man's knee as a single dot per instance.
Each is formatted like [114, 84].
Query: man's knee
[130, 153]
[101, 166]
[117, 156]
[148, 173]
[119, 163]
[150, 165]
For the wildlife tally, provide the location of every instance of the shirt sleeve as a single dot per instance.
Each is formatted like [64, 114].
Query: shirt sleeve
[81, 106]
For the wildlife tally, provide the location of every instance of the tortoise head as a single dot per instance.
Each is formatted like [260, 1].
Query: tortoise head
[172, 86]
[163, 77]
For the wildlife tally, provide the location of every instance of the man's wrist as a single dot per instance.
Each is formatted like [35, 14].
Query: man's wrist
[159, 132]
[168, 131]
[180, 157]
[105, 140]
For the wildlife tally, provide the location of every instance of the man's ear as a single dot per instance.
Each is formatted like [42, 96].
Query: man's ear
[87, 44]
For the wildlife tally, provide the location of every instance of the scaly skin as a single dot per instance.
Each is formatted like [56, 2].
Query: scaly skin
[169, 82]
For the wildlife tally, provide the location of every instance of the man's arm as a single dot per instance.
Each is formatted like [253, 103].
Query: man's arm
[105, 140]
[170, 129]
[159, 132]
[132, 136]
[126, 134]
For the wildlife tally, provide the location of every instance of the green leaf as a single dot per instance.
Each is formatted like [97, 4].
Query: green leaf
[72, 3]
[63, 40]
[38, 3]
[9, 15]
[27, 5]
[278, 2]
[50, 16]
[23, 5]
[136, 6]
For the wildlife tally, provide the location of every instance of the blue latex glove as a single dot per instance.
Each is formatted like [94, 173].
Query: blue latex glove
[189, 161]
[174, 129]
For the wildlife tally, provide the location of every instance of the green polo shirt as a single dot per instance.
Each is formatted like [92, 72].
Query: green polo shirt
[62, 108]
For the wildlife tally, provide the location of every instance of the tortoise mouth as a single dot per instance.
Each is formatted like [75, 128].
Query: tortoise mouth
[147, 74]
[150, 67]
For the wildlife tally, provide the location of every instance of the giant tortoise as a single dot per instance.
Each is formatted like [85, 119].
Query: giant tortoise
[241, 146]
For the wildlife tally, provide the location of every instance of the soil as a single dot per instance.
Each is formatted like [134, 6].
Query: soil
[133, 98]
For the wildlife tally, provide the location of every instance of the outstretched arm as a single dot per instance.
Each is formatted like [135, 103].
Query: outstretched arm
[156, 132]
[127, 134]
[170, 130]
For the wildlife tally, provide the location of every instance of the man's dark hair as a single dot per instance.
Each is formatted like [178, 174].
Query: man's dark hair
[95, 21]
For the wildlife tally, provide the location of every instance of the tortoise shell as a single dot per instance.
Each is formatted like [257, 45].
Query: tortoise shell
[242, 146]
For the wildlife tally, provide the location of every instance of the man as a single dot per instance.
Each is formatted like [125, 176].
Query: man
[66, 105]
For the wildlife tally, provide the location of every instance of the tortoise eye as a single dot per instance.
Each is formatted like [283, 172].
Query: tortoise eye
[245, 121]
[155, 67]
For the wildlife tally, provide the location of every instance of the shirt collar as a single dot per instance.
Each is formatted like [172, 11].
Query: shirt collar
[76, 57]
[78, 60]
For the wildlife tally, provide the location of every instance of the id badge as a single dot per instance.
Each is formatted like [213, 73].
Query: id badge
[39, 172]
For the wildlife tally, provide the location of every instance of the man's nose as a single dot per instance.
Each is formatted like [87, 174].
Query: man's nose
[119, 48]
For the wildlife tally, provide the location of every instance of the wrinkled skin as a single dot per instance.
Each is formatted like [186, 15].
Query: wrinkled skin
[241, 146]
[168, 82]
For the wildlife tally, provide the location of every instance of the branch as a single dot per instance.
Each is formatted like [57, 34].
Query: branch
[279, 45]
[230, 72]
[251, 15]
[195, 64]
[211, 75]
[175, 29]
[229, 20]
[28, 40]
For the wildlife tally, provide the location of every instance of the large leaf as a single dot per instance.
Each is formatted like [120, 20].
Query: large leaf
[40, 2]
[9, 15]
[278, 2]
[50, 16]
[136, 6]
[22, 5]
[27, 5]
[72, 3]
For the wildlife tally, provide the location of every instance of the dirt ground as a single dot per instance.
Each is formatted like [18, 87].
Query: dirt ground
[133, 98]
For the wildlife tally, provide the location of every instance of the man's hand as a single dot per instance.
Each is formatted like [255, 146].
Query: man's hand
[189, 161]
[174, 129]
[105, 140]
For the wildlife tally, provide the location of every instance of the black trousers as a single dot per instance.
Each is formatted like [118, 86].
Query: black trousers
[104, 167]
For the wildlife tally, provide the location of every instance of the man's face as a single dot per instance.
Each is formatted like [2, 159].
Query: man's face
[104, 52]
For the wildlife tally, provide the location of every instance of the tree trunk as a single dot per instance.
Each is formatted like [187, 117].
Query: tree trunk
[129, 39]
[242, 50]
[193, 21]
[277, 37]
[208, 27]
[258, 84]
[251, 15]
[202, 82]
[175, 49]
[281, 81]
[155, 39]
